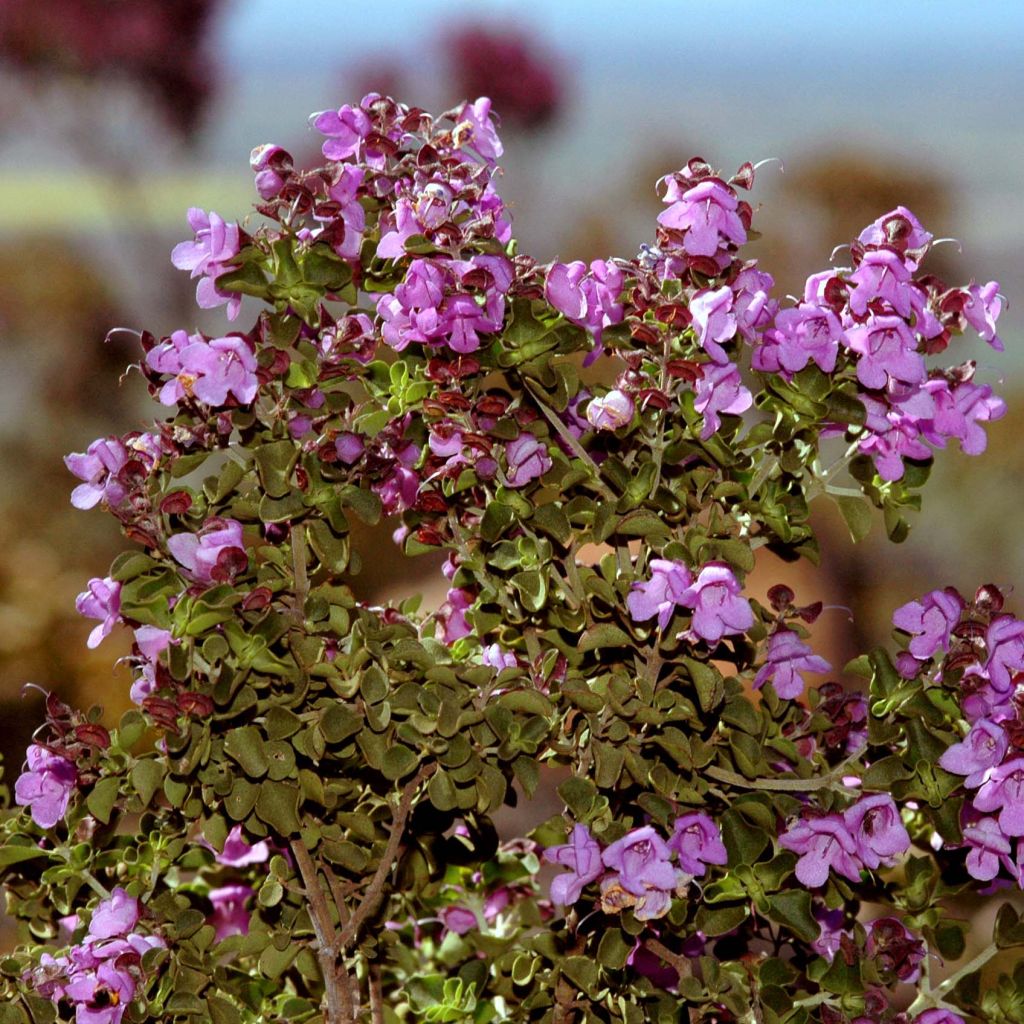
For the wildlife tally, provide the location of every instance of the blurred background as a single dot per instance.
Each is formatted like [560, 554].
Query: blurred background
[116, 115]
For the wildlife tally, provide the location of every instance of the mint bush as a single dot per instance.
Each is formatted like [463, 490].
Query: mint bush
[296, 822]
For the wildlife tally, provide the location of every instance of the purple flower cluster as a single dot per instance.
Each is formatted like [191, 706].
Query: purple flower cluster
[714, 597]
[787, 658]
[867, 835]
[881, 320]
[589, 297]
[46, 785]
[208, 256]
[208, 370]
[100, 976]
[636, 871]
[109, 466]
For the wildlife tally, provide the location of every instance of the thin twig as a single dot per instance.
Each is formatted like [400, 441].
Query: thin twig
[298, 543]
[376, 994]
[375, 890]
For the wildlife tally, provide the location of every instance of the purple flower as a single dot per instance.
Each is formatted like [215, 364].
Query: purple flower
[1004, 640]
[938, 1016]
[874, 821]
[715, 320]
[882, 274]
[494, 656]
[476, 129]
[582, 856]
[349, 447]
[718, 608]
[237, 853]
[348, 221]
[886, 347]
[929, 621]
[46, 786]
[804, 334]
[989, 848]
[527, 458]
[661, 593]
[982, 311]
[221, 366]
[641, 860]
[752, 304]
[102, 995]
[215, 554]
[587, 297]
[788, 656]
[706, 214]
[823, 843]
[983, 747]
[698, 843]
[452, 615]
[610, 412]
[101, 601]
[898, 228]
[272, 166]
[215, 245]
[230, 916]
[99, 466]
[1003, 791]
[830, 938]
[959, 412]
[459, 919]
[345, 129]
[115, 917]
[720, 390]
[894, 432]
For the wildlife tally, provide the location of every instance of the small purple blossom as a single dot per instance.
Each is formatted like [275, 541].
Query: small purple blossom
[895, 950]
[878, 832]
[495, 657]
[102, 600]
[698, 843]
[720, 390]
[706, 214]
[238, 853]
[660, 594]
[981, 749]
[345, 128]
[587, 296]
[988, 849]
[207, 257]
[883, 275]
[527, 458]
[611, 411]
[823, 843]
[475, 129]
[230, 916]
[272, 166]
[718, 607]
[898, 228]
[452, 615]
[459, 919]
[715, 320]
[982, 311]
[938, 1016]
[582, 856]
[45, 787]
[1003, 790]
[1004, 640]
[115, 917]
[801, 335]
[929, 621]
[641, 860]
[886, 347]
[788, 656]
[215, 554]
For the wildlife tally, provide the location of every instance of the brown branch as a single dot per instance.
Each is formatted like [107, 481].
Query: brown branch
[337, 991]
[375, 890]
[680, 964]
[298, 545]
[376, 994]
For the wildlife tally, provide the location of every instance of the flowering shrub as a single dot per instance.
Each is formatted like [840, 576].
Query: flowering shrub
[296, 822]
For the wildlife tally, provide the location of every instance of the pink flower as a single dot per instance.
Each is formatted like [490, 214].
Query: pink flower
[718, 608]
[788, 657]
[982, 311]
[874, 821]
[823, 843]
[706, 214]
[213, 555]
[345, 129]
[720, 390]
[930, 621]
[102, 601]
[886, 347]
[230, 916]
[216, 244]
[527, 458]
[476, 131]
[237, 853]
[587, 296]
[115, 916]
[452, 615]
[715, 320]
[582, 856]
[611, 411]
[45, 787]
[661, 593]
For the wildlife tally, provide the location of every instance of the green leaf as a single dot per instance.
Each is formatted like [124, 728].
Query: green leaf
[245, 745]
[275, 462]
[101, 800]
[221, 1011]
[398, 761]
[858, 515]
[146, 778]
[579, 795]
[581, 971]
[441, 791]
[793, 909]
[551, 520]
[614, 949]
[532, 589]
[1009, 928]
[11, 854]
[719, 920]
[604, 634]
[278, 806]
